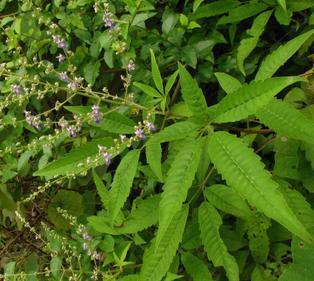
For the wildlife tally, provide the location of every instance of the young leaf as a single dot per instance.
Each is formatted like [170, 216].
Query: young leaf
[178, 181]
[228, 83]
[228, 200]
[102, 190]
[243, 170]
[283, 4]
[70, 162]
[243, 12]
[287, 121]
[156, 73]
[153, 156]
[278, 57]
[157, 260]
[209, 222]
[122, 182]
[250, 98]
[192, 94]
[195, 267]
[148, 90]
[247, 45]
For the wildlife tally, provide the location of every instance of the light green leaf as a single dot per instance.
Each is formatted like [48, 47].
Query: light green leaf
[115, 122]
[247, 45]
[148, 90]
[156, 73]
[278, 57]
[228, 83]
[228, 200]
[287, 121]
[282, 3]
[172, 78]
[243, 171]
[157, 260]
[196, 4]
[248, 99]
[299, 5]
[209, 222]
[192, 94]
[91, 72]
[178, 181]
[101, 190]
[122, 182]
[196, 268]
[70, 163]
[243, 12]
[214, 9]
[153, 156]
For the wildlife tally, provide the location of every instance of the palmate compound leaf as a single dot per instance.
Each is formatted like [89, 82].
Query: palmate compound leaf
[287, 121]
[157, 259]
[209, 223]
[144, 215]
[279, 57]
[248, 99]
[122, 182]
[243, 170]
[195, 267]
[178, 181]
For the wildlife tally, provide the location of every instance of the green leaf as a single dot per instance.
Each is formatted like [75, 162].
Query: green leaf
[214, 9]
[278, 57]
[91, 72]
[169, 21]
[243, 171]
[115, 122]
[296, 6]
[195, 267]
[157, 260]
[283, 4]
[196, 4]
[247, 45]
[153, 156]
[228, 83]
[287, 121]
[260, 274]
[178, 181]
[55, 267]
[172, 78]
[70, 163]
[148, 90]
[102, 190]
[156, 73]
[174, 132]
[243, 12]
[228, 200]
[192, 94]
[209, 222]
[248, 99]
[122, 182]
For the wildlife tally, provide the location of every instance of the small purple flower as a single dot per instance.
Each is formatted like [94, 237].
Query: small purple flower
[131, 65]
[96, 113]
[87, 237]
[72, 86]
[63, 76]
[60, 58]
[107, 156]
[108, 20]
[17, 89]
[33, 121]
[59, 41]
[72, 131]
[150, 126]
[139, 133]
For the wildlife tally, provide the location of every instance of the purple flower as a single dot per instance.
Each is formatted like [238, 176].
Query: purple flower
[150, 126]
[72, 131]
[131, 65]
[60, 58]
[72, 86]
[17, 89]
[96, 113]
[33, 121]
[59, 41]
[107, 156]
[87, 237]
[108, 20]
[63, 76]
[140, 134]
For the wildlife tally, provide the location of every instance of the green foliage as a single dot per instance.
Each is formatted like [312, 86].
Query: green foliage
[156, 140]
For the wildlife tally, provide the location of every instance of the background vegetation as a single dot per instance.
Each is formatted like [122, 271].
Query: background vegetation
[157, 140]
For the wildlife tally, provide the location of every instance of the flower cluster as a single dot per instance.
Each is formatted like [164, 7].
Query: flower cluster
[71, 129]
[31, 120]
[96, 114]
[108, 18]
[59, 41]
[131, 65]
[81, 230]
[17, 89]
[105, 154]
